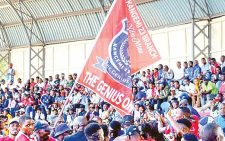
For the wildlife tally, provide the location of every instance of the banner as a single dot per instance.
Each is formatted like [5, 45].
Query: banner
[123, 46]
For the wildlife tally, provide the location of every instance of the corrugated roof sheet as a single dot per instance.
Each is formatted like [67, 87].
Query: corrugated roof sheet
[67, 20]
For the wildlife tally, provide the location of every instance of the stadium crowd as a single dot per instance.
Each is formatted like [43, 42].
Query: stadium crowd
[182, 103]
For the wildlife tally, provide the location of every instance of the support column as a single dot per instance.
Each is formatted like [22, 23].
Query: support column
[200, 29]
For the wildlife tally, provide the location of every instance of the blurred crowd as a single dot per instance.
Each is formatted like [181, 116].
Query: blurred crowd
[181, 103]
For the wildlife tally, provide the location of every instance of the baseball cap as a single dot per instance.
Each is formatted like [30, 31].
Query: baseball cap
[42, 124]
[61, 128]
[91, 129]
[80, 120]
[115, 125]
[132, 130]
[13, 120]
[128, 120]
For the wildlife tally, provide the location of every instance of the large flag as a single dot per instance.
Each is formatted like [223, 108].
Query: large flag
[123, 46]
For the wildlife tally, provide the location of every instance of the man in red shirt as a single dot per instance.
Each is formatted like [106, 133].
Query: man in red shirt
[27, 128]
[13, 128]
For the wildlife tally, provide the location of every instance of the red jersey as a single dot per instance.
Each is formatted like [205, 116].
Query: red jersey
[194, 127]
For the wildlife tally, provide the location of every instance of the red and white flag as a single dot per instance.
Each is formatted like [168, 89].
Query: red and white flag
[123, 47]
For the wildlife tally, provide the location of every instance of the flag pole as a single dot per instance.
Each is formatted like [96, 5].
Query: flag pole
[66, 102]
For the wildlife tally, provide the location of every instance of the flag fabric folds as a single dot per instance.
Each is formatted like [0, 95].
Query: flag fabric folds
[122, 47]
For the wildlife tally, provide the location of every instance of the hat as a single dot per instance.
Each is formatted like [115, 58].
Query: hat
[80, 120]
[132, 130]
[115, 125]
[61, 128]
[184, 121]
[128, 120]
[91, 129]
[172, 89]
[41, 124]
[184, 101]
[13, 120]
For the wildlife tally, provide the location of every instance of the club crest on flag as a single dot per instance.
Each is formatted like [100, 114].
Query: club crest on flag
[118, 63]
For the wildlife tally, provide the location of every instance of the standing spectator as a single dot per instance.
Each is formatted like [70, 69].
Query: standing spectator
[10, 73]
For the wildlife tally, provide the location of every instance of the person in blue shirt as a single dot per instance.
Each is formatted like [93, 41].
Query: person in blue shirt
[186, 69]
[190, 70]
[78, 125]
[196, 70]
[220, 120]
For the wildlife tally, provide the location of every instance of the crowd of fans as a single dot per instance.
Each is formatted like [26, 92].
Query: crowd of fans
[184, 103]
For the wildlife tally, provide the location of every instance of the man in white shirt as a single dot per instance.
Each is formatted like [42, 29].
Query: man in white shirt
[189, 87]
[178, 72]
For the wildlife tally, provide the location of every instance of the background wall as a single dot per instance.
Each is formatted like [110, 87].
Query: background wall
[173, 43]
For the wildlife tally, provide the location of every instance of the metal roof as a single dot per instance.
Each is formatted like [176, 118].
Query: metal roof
[53, 21]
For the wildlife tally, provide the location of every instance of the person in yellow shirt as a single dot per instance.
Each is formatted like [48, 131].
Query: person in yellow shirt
[208, 91]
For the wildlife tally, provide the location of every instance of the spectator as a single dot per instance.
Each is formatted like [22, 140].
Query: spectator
[78, 125]
[61, 131]
[13, 127]
[211, 132]
[209, 91]
[10, 73]
[205, 67]
[220, 120]
[42, 131]
[94, 132]
[27, 129]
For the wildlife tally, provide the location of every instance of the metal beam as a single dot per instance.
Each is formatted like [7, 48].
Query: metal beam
[69, 14]
[30, 34]
[200, 30]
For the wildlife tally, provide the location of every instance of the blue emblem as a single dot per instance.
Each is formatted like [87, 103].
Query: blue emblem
[118, 63]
